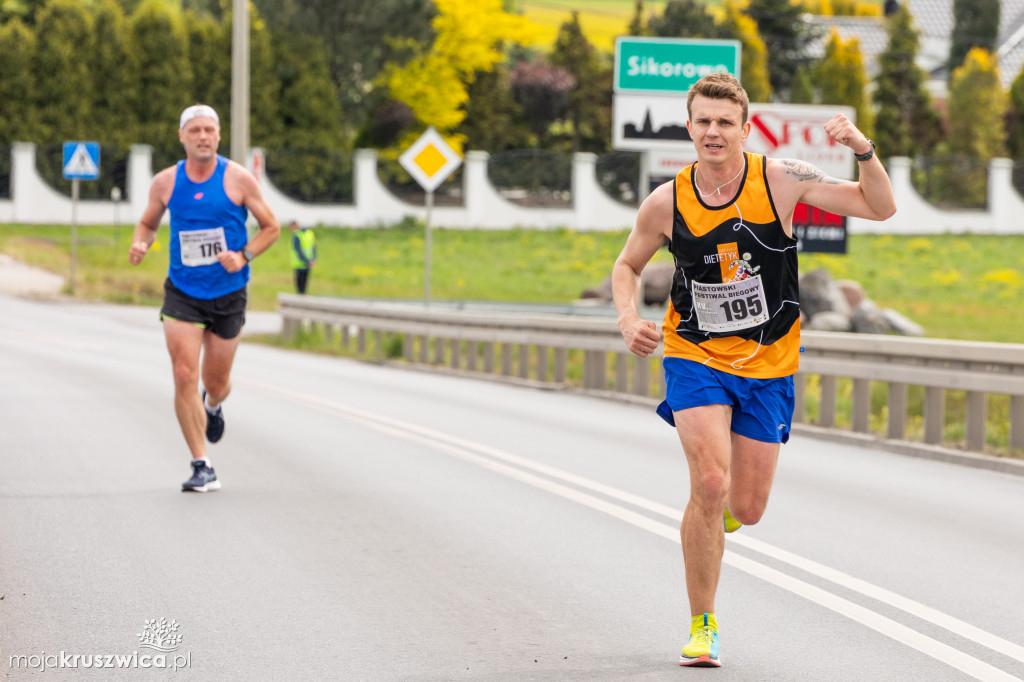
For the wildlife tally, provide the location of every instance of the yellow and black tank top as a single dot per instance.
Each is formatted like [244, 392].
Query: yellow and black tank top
[735, 302]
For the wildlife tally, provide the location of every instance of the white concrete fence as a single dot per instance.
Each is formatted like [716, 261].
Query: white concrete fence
[546, 349]
[34, 202]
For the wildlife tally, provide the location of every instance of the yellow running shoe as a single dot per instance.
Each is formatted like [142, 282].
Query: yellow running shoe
[731, 524]
[702, 649]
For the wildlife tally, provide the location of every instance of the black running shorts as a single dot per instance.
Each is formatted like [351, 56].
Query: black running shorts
[224, 316]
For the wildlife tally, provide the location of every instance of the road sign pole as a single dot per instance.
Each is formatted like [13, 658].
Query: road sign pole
[429, 161]
[645, 178]
[240, 82]
[81, 162]
[427, 238]
[74, 233]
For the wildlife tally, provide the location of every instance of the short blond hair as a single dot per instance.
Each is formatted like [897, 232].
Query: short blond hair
[719, 86]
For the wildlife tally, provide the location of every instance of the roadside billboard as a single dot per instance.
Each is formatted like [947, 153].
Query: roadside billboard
[795, 131]
[656, 125]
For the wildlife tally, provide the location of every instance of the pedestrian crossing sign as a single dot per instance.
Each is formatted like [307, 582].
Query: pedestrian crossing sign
[81, 160]
[430, 160]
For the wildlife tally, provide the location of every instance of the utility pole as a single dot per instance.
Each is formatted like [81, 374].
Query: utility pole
[240, 83]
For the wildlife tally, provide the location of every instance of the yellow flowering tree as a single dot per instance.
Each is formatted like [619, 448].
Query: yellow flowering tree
[434, 84]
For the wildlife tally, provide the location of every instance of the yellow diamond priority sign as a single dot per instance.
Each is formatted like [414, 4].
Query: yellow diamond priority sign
[430, 160]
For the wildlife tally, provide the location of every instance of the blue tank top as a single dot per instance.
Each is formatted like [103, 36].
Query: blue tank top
[204, 222]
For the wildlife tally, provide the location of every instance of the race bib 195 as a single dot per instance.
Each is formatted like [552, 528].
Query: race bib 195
[200, 247]
[730, 306]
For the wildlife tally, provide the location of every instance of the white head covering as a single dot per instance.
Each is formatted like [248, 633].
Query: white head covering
[195, 111]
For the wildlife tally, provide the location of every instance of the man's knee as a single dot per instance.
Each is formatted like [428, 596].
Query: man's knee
[186, 374]
[711, 488]
[747, 515]
[747, 509]
[217, 387]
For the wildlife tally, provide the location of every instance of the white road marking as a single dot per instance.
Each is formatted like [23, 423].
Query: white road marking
[515, 466]
[34, 340]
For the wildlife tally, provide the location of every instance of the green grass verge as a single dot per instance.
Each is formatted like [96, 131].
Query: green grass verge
[955, 286]
[482, 265]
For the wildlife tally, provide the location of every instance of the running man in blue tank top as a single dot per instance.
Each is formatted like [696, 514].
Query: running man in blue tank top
[209, 198]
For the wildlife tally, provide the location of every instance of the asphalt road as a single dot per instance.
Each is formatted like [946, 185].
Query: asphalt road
[378, 523]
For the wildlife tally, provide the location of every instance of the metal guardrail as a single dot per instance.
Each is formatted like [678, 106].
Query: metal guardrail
[586, 350]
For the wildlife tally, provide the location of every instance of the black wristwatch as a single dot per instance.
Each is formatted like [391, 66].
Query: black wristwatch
[247, 254]
[866, 156]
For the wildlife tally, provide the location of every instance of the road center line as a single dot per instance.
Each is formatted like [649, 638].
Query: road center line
[513, 466]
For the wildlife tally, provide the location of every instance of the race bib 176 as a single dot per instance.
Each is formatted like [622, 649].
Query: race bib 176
[200, 247]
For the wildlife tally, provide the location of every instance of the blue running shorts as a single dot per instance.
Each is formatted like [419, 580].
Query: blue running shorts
[762, 409]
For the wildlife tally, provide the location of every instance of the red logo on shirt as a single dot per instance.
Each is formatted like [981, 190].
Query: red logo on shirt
[198, 196]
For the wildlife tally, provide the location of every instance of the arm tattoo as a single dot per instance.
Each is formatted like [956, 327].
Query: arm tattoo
[806, 172]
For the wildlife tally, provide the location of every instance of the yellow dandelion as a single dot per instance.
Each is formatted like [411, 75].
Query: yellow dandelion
[1007, 276]
[919, 245]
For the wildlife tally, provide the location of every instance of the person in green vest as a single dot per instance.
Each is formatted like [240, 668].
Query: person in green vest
[303, 254]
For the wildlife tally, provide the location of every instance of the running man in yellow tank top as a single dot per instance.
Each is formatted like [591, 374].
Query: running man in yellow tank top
[732, 330]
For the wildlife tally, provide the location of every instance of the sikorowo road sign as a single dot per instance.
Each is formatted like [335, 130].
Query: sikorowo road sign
[663, 65]
[81, 160]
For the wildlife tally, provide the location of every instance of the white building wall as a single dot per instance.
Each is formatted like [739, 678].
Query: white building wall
[914, 215]
[33, 201]
[36, 202]
[487, 209]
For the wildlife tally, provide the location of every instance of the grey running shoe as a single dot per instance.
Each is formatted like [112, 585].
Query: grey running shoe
[204, 479]
[214, 422]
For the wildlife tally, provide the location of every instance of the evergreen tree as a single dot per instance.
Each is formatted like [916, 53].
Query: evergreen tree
[975, 24]
[494, 121]
[753, 55]
[304, 155]
[23, 10]
[209, 52]
[61, 72]
[359, 37]
[842, 80]
[786, 35]
[115, 73]
[214, 9]
[590, 100]
[638, 24]
[542, 90]
[977, 105]
[164, 88]
[1015, 118]
[309, 113]
[684, 19]
[801, 89]
[18, 45]
[906, 123]
[264, 86]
